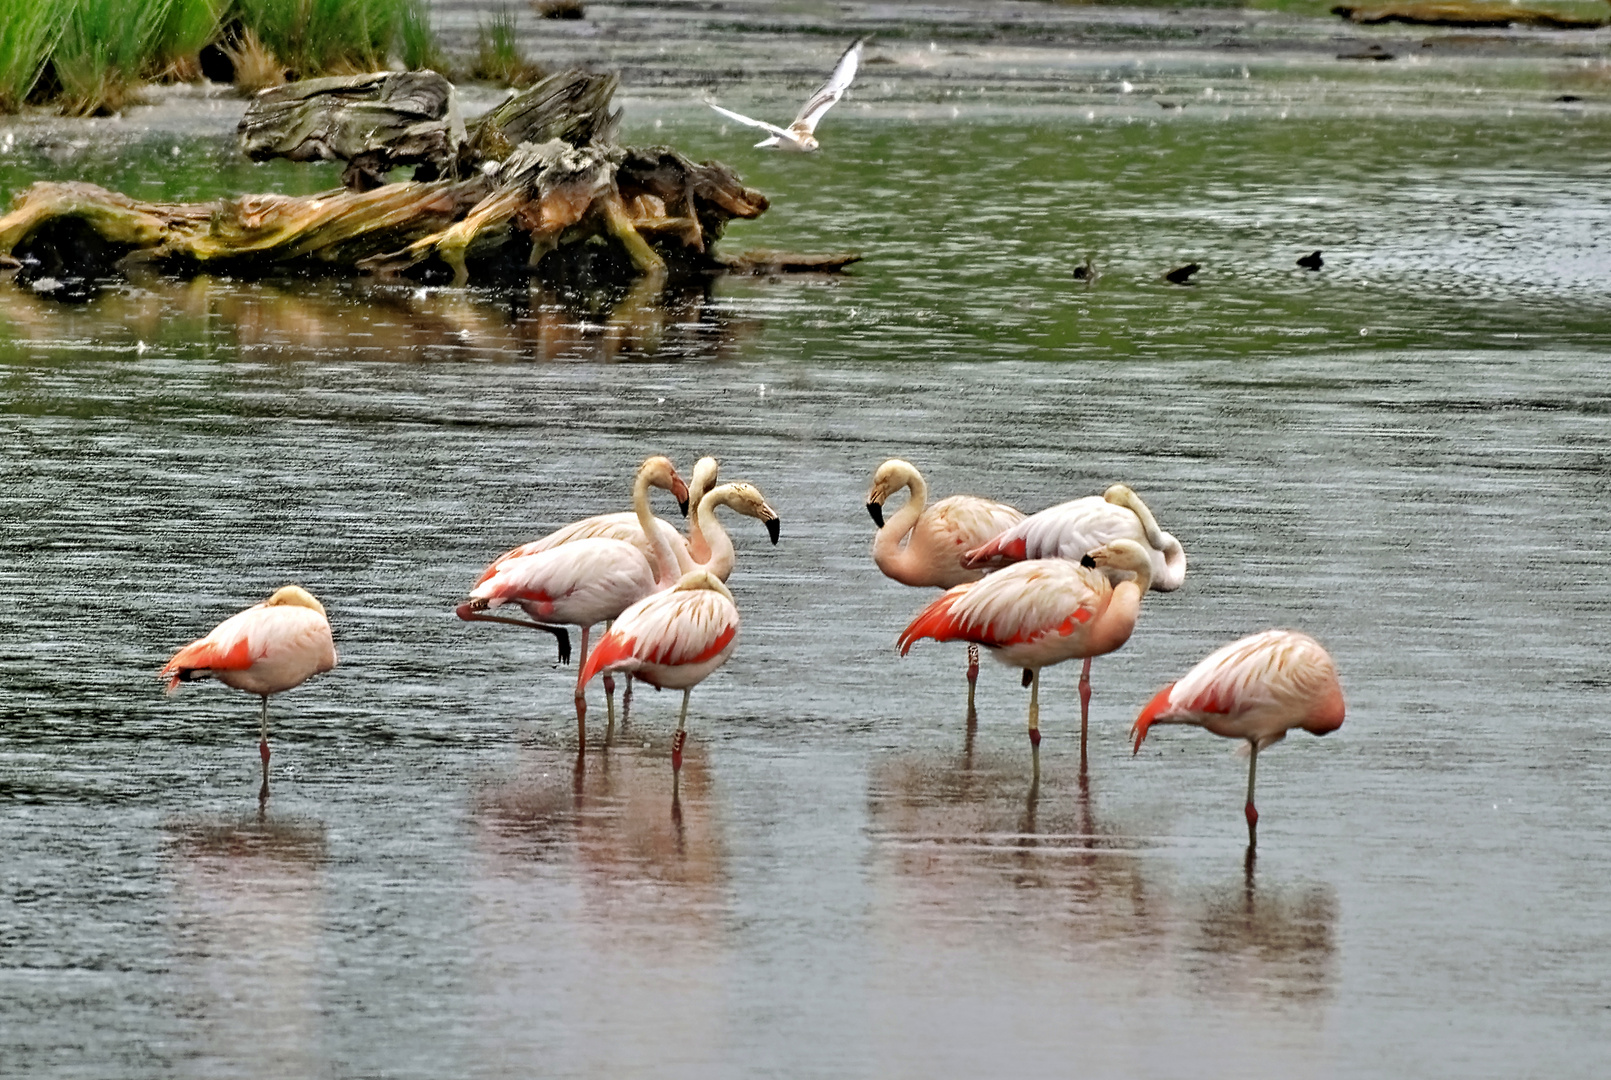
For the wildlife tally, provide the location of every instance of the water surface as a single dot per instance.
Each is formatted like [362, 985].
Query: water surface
[1404, 454]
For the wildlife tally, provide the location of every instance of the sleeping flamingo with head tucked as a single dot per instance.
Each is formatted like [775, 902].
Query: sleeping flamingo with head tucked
[266, 649]
[1258, 689]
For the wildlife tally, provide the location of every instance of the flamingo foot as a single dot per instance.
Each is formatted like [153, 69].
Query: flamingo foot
[676, 750]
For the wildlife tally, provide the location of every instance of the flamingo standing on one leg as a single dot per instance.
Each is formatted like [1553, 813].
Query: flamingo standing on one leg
[655, 471]
[1069, 530]
[936, 536]
[672, 639]
[268, 648]
[1257, 689]
[581, 583]
[1043, 612]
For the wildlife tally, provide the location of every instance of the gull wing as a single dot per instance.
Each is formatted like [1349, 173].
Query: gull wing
[762, 124]
[827, 95]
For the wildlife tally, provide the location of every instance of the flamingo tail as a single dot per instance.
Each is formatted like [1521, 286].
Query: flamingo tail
[935, 621]
[995, 552]
[1157, 706]
[613, 648]
[204, 656]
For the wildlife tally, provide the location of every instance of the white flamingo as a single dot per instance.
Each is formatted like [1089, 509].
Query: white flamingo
[1069, 530]
[936, 537]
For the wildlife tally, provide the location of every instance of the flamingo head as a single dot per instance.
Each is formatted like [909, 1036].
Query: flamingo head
[661, 473]
[747, 499]
[1122, 556]
[891, 476]
[706, 470]
[1327, 714]
[294, 596]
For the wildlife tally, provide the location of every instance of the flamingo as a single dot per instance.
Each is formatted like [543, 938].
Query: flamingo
[655, 471]
[672, 639]
[1069, 530]
[1258, 689]
[936, 536]
[1042, 612]
[266, 649]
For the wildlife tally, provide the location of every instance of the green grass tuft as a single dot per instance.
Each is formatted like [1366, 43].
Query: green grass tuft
[498, 56]
[28, 32]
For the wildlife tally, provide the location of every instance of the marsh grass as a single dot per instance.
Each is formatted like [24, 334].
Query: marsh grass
[28, 33]
[498, 55]
[90, 56]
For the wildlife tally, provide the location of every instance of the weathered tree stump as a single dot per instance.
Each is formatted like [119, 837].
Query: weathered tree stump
[536, 187]
[374, 123]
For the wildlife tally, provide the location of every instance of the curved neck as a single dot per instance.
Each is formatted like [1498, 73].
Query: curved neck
[1174, 568]
[704, 479]
[719, 553]
[887, 544]
[662, 560]
[1117, 621]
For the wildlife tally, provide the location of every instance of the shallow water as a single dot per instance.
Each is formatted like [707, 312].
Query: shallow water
[854, 884]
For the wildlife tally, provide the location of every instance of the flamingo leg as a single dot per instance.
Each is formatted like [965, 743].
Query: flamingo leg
[1034, 722]
[681, 737]
[609, 696]
[1085, 705]
[581, 698]
[1252, 811]
[562, 637]
[263, 751]
[626, 699]
[973, 673]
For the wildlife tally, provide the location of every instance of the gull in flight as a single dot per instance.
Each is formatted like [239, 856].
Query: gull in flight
[798, 135]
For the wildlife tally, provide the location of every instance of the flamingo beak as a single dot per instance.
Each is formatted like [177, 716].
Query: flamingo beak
[464, 610]
[1088, 562]
[876, 509]
[773, 527]
[679, 491]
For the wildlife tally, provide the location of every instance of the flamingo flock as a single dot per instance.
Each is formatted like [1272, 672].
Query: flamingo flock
[1066, 583]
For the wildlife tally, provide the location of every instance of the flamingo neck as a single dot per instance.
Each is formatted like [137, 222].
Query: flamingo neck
[887, 551]
[703, 479]
[1168, 577]
[1113, 627]
[719, 554]
[662, 560]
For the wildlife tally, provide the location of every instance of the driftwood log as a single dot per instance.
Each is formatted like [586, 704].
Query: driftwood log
[1473, 14]
[536, 187]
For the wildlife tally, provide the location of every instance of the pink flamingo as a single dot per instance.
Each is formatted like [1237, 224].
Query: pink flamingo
[655, 471]
[936, 536]
[1257, 689]
[672, 639]
[266, 649]
[1043, 612]
[1069, 530]
[584, 582]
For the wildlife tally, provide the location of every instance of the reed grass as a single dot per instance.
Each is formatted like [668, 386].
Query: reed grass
[498, 54]
[90, 56]
[28, 32]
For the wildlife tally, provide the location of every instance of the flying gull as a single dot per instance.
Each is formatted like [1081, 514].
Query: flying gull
[798, 135]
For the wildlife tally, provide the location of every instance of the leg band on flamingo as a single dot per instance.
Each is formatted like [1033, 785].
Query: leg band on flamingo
[676, 750]
[1034, 737]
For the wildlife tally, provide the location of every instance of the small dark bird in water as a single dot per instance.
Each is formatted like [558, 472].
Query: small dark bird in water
[1312, 261]
[1086, 271]
[1181, 275]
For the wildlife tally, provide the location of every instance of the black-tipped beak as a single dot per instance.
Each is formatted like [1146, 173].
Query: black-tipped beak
[773, 527]
[1088, 562]
[877, 512]
[682, 504]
